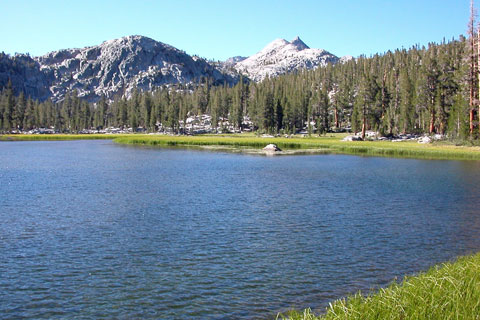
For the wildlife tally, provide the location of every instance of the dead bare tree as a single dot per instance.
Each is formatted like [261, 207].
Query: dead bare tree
[474, 56]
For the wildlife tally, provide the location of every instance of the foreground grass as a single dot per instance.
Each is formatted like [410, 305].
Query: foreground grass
[447, 291]
[331, 143]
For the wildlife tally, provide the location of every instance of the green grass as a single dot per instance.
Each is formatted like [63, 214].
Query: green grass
[331, 143]
[447, 291]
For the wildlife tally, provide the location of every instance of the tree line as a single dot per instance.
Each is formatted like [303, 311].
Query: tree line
[419, 90]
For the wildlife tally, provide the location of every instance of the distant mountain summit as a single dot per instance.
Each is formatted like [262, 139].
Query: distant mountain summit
[299, 44]
[281, 56]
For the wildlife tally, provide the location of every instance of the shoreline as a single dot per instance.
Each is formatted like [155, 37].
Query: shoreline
[249, 144]
[449, 290]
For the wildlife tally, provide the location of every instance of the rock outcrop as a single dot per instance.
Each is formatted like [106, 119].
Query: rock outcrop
[280, 57]
[115, 67]
[120, 65]
[272, 148]
[352, 138]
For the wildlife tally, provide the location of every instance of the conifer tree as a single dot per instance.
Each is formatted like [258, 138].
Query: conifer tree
[8, 108]
[367, 99]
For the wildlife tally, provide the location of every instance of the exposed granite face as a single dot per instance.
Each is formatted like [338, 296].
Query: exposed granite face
[115, 67]
[234, 60]
[282, 56]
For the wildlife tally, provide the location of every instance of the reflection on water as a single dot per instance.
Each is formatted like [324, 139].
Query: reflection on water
[90, 229]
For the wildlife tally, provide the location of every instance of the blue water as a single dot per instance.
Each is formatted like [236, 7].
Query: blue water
[91, 229]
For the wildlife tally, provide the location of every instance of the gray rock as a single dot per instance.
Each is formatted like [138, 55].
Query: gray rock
[272, 148]
[115, 67]
[425, 139]
[118, 66]
[352, 138]
[438, 136]
[234, 60]
[282, 56]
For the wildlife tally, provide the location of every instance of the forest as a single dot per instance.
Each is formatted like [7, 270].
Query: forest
[423, 90]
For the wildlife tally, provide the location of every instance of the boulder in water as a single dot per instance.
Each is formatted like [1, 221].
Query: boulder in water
[272, 148]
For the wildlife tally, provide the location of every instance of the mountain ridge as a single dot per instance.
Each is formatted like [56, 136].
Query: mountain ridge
[115, 67]
[124, 64]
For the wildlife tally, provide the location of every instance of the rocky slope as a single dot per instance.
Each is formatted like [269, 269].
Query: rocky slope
[280, 57]
[117, 66]
[25, 76]
[114, 67]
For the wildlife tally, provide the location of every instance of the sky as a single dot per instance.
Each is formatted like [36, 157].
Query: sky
[218, 30]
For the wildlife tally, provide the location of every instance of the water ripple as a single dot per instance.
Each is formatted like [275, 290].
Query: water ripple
[93, 230]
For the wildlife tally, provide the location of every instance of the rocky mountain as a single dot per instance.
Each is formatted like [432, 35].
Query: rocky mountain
[118, 66]
[282, 56]
[234, 60]
[25, 76]
[114, 67]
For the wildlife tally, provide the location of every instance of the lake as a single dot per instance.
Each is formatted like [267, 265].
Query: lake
[91, 229]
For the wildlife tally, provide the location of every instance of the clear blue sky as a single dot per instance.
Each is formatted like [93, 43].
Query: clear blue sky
[221, 29]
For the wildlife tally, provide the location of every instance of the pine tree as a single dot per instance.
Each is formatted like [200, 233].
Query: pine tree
[146, 110]
[100, 115]
[19, 112]
[406, 102]
[367, 99]
[28, 119]
[430, 85]
[278, 115]
[268, 116]
[8, 109]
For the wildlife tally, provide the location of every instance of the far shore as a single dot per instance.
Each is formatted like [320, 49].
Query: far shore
[249, 143]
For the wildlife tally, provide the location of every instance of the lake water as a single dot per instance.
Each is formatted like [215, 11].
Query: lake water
[91, 229]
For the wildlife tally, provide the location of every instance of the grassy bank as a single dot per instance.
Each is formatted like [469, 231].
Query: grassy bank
[330, 143]
[447, 291]
[333, 144]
